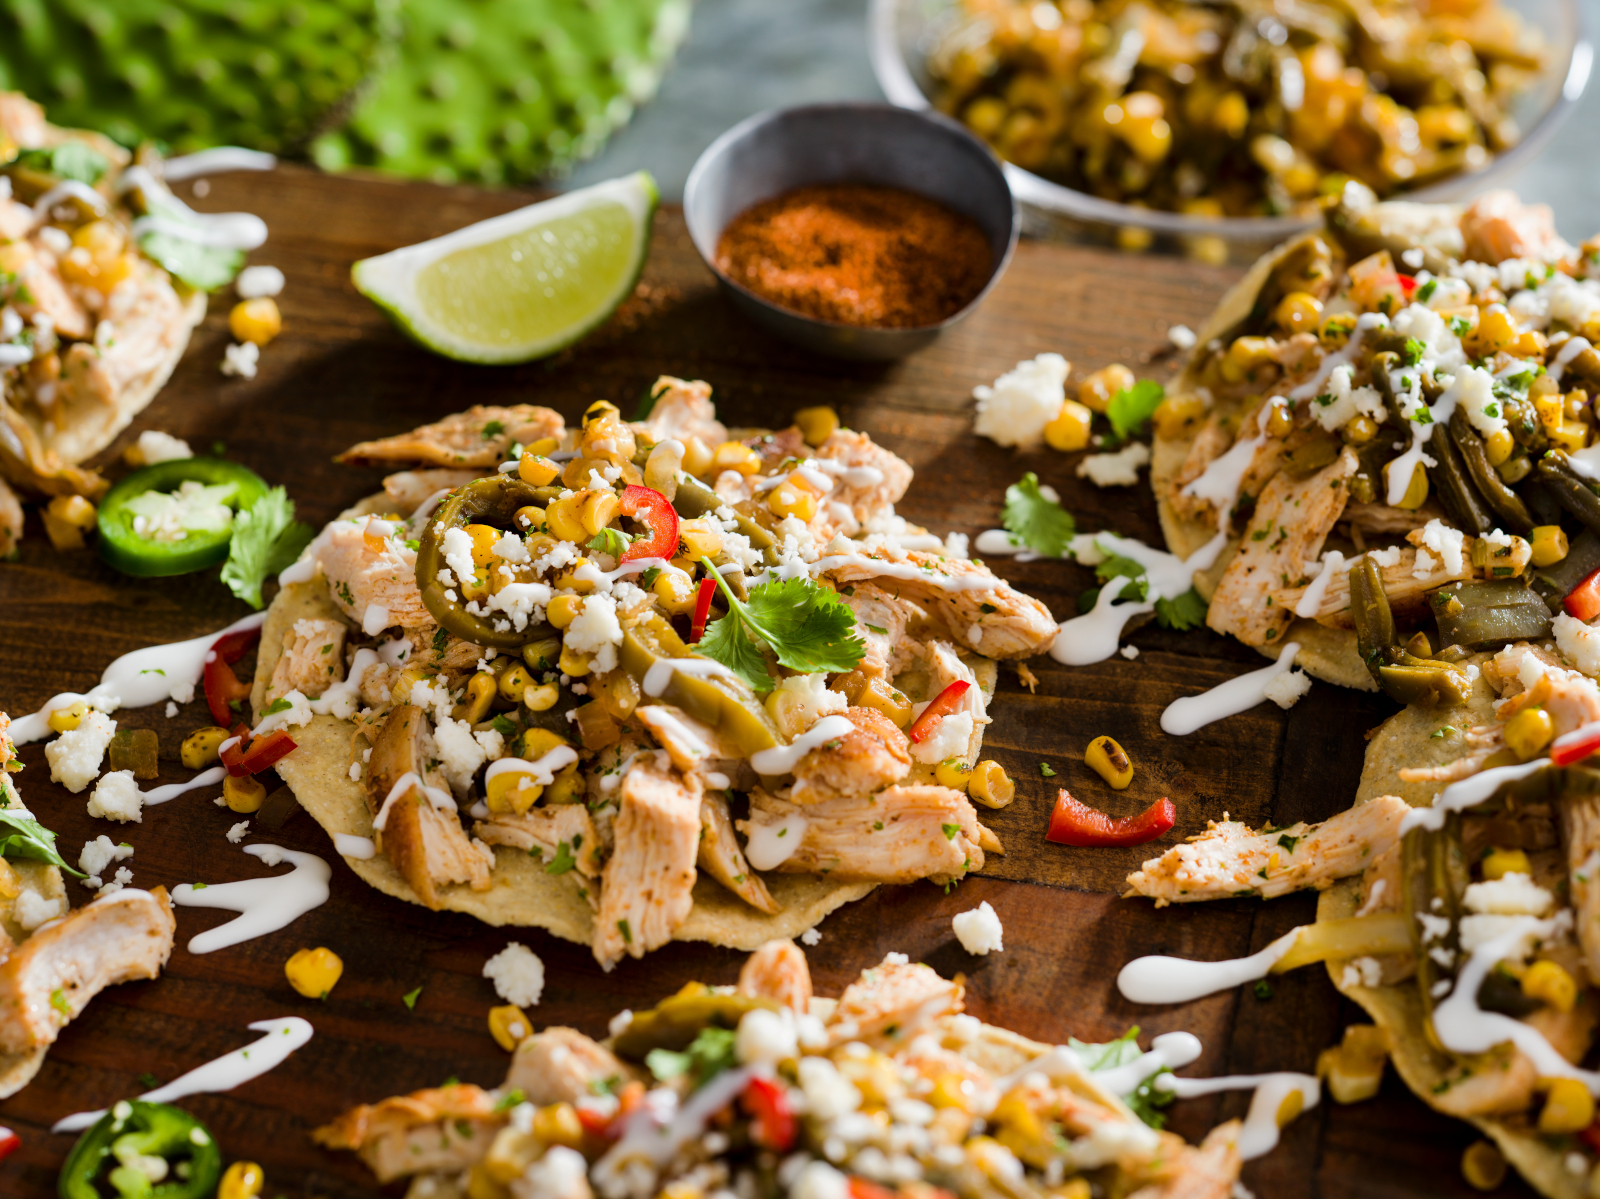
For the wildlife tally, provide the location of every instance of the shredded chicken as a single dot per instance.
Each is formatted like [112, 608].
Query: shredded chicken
[313, 658]
[875, 609]
[895, 1001]
[1229, 858]
[39, 289]
[896, 836]
[1391, 522]
[1406, 589]
[1206, 1171]
[1503, 1081]
[721, 857]
[778, 971]
[547, 829]
[693, 745]
[866, 499]
[947, 667]
[362, 576]
[683, 409]
[410, 489]
[445, 1128]
[51, 977]
[649, 881]
[479, 437]
[858, 763]
[561, 1065]
[1497, 226]
[1580, 836]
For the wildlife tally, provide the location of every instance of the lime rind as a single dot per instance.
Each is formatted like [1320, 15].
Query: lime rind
[391, 281]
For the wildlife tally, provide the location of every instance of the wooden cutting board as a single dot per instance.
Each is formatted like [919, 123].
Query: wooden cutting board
[340, 373]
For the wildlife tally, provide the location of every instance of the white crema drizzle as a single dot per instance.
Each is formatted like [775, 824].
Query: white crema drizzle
[264, 904]
[1183, 716]
[1161, 979]
[1260, 1133]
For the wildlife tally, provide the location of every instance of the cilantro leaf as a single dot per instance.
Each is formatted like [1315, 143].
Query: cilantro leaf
[1147, 1101]
[25, 837]
[203, 267]
[1180, 615]
[807, 627]
[1035, 520]
[611, 541]
[564, 861]
[1117, 567]
[1109, 1054]
[1412, 352]
[410, 998]
[1132, 407]
[278, 705]
[709, 1054]
[266, 540]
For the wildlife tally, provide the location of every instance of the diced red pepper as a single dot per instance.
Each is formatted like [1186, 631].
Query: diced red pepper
[946, 702]
[10, 1142]
[702, 609]
[233, 755]
[610, 1127]
[1583, 601]
[1408, 283]
[860, 1188]
[653, 510]
[773, 1123]
[221, 684]
[265, 751]
[1073, 823]
[1576, 745]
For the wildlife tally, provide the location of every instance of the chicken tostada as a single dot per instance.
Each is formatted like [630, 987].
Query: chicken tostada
[1411, 386]
[614, 649]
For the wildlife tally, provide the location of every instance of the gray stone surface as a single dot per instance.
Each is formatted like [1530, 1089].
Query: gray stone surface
[746, 56]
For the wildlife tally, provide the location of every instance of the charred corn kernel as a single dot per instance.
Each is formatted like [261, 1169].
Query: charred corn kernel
[1069, 431]
[1107, 759]
[1500, 862]
[953, 773]
[1231, 115]
[1291, 1106]
[542, 448]
[1573, 435]
[541, 655]
[483, 539]
[1360, 429]
[513, 682]
[662, 467]
[1336, 330]
[573, 662]
[10, 881]
[789, 711]
[313, 972]
[1494, 333]
[63, 534]
[528, 519]
[990, 785]
[1176, 413]
[563, 610]
[1244, 356]
[244, 794]
[817, 424]
[697, 456]
[952, 1090]
[75, 510]
[242, 1180]
[1568, 1108]
[509, 1026]
[598, 511]
[730, 455]
[512, 792]
[1298, 312]
[64, 720]
[564, 518]
[699, 539]
[1552, 984]
[480, 694]
[568, 787]
[482, 1184]
[558, 1124]
[256, 320]
[599, 410]
[1353, 1069]
[675, 591]
[883, 697]
[1551, 412]
[791, 499]
[1528, 732]
[537, 470]
[1095, 392]
[1499, 445]
[535, 743]
[409, 677]
[1417, 490]
[1549, 543]
[1483, 1166]
[1279, 422]
[541, 697]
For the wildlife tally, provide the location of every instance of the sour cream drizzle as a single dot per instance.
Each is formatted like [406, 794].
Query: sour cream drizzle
[543, 770]
[264, 904]
[351, 846]
[997, 543]
[659, 676]
[440, 799]
[781, 759]
[1169, 1051]
[215, 161]
[658, 1129]
[771, 845]
[1311, 599]
[1564, 356]
[1093, 636]
[1161, 979]
[136, 680]
[1467, 793]
[1260, 1132]
[206, 778]
[283, 1037]
[70, 189]
[1183, 716]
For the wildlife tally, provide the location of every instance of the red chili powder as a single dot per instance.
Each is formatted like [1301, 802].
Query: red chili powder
[858, 255]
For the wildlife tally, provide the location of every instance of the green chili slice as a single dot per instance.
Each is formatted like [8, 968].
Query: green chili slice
[138, 522]
[140, 1150]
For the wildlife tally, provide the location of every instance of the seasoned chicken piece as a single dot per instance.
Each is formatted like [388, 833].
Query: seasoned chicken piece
[1497, 226]
[1210, 443]
[1392, 522]
[1381, 883]
[1580, 837]
[875, 609]
[1209, 1170]
[362, 578]
[1291, 520]
[547, 830]
[29, 463]
[1504, 671]
[876, 481]
[683, 409]
[22, 121]
[1407, 591]
[997, 621]
[896, 836]
[1570, 698]
[409, 489]
[421, 835]
[693, 745]
[1504, 1081]
[1228, 858]
[778, 971]
[721, 857]
[16, 219]
[561, 1065]
[10, 521]
[478, 437]
[313, 658]
[895, 1000]
[51, 977]
[445, 1128]
[649, 882]
[35, 286]
[858, 763]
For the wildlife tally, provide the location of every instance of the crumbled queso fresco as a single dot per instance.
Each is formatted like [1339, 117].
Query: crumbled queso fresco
[979, 930]
[97, 855]
[517, 974]
[117, 797]
[1022, 402]
[75, 755]
[1116, 470]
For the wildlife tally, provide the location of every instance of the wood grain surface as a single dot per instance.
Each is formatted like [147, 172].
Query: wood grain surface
[340, 373]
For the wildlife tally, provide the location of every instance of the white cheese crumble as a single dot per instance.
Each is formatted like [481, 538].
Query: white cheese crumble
[596, 631]
[1473, 391]
[950, 738]
[979, 930]
[1015, 410]
[1288, 688]
[517, 974]
[1116, 470]
[238, 832]
[32, 909]
[510, 548]
[97, 855]
[1130, 652]
[117, 797]
[1362, 972]
[1509, 895]
[766, 1037]
[460, 753]
[1182, 337]
[256, 282]
[75, 756]
[1446, 543]
[1579, 643]
[298, 713]
[155, 446]
[121, 879]
[828, 1093]
[819, 1180]
[813, 699]
[811, 936]
[1342, 403]
[239, 361]
[457, 546]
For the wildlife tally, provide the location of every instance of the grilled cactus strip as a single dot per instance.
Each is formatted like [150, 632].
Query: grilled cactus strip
[1507, 505]
[1571, 489]
[1456, 492]
[1369, 606]
[1490, 614]
[1432, 880]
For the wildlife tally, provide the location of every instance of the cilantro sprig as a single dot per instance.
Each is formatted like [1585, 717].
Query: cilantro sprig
[709, 1054]
[25, 837]
[808, 628]
[1035, 520]
[266, 540]
[1146, 1101]
[1132, 407]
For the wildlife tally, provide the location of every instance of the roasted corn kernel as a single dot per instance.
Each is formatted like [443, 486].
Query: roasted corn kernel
[535, 743]
[10, 881]
[817, 424]
[1549, 544]
[511, 792]
[1501, 862]
[953, 773]
[1483, 1166]
[573, 662]
[564, 518]
[244, 794]
[541, 655]
[1107, 759]
[599, 509]
[1245, 355]
[699, 538]
[480, 694]
[64, 720]
[256, 320]
[568, 787]
[509, 1026]
[1550, 983]
[675, 592]
[1095, 392]
[1568, 1108]
[1572, 436]
[313, 972]
[1417, 490]
[1528, 732]
[513, 683]
[990, 785]
[241, 1180]
[884, 697]
[558, 1124]
[1360, 429]
[730, 455]
[1177, 413]
[563, 610]
[697, 456]
[536, 470]
[541, 697]
[1353, 1069]
[65, 519]
[1298, 312]
[790, 498]
[1499, 445]
[1069, 431]
[544, 447]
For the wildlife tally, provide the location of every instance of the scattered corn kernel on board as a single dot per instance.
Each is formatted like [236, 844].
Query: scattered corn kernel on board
[340, 374]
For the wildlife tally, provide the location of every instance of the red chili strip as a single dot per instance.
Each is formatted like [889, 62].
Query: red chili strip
[773, 1122]
[702, 609]
[1583, 601]
[946, 702]
[264, 752]
[220, 683]
[653, 510]
[1576, 745]
[1073, 823]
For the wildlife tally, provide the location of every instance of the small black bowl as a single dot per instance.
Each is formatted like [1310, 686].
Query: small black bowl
[775, 152]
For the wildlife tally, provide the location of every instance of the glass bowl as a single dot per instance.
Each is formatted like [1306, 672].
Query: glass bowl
[901, 33]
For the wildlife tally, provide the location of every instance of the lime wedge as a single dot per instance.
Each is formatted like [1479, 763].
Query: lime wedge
[523, 285]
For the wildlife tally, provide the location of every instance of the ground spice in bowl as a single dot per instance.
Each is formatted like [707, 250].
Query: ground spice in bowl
[858, 254]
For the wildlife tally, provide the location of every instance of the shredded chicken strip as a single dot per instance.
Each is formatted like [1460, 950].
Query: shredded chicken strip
[895, 1001]
[649, 882]
[875, 755]
[561, 1065]
[444, 1128]
[778, 971]
[721, 857]
[479, 437]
